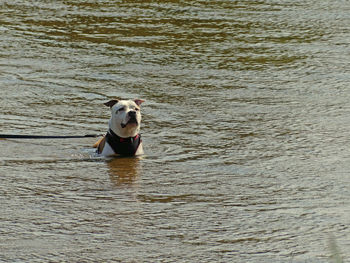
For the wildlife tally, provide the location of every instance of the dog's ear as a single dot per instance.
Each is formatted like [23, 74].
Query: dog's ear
[111, 103]
[138, 102]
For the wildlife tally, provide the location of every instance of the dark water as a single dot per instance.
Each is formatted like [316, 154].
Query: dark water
[245, 127]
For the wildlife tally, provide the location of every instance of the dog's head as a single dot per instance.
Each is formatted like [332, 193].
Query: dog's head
[126, 117]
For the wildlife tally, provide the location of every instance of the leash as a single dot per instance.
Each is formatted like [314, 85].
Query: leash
[15, 136]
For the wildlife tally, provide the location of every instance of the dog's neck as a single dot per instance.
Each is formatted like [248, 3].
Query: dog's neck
[123, 146]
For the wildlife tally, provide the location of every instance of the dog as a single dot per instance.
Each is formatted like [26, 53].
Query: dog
[123, 137]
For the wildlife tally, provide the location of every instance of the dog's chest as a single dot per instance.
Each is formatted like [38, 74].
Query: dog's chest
[108, 150]
[123, 146]
[115, 145]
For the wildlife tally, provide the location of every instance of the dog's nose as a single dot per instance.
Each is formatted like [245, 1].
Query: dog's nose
[132, 113]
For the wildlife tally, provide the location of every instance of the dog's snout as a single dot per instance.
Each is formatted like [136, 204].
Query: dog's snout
[132, 113]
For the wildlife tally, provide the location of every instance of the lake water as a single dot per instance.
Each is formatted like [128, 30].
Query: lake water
[246, 129]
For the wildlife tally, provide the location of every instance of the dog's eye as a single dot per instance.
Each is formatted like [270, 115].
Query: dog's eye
[121, 109]
[137, 109]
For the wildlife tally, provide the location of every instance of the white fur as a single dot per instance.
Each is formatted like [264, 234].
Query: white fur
[119, 117]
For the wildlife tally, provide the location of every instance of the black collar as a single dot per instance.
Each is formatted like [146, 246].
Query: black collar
[123, 146]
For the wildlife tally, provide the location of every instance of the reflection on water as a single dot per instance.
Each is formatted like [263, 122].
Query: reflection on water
[124, 171]
[245, 130]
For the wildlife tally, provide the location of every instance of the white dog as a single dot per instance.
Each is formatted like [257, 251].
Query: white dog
[123, 136]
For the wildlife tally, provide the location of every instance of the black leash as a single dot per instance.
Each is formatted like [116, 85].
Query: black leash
[14, 136]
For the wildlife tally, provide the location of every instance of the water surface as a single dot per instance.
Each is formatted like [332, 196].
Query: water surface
[245, 129]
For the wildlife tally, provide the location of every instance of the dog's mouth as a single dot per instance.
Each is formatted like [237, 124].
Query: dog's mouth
[131, 121]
